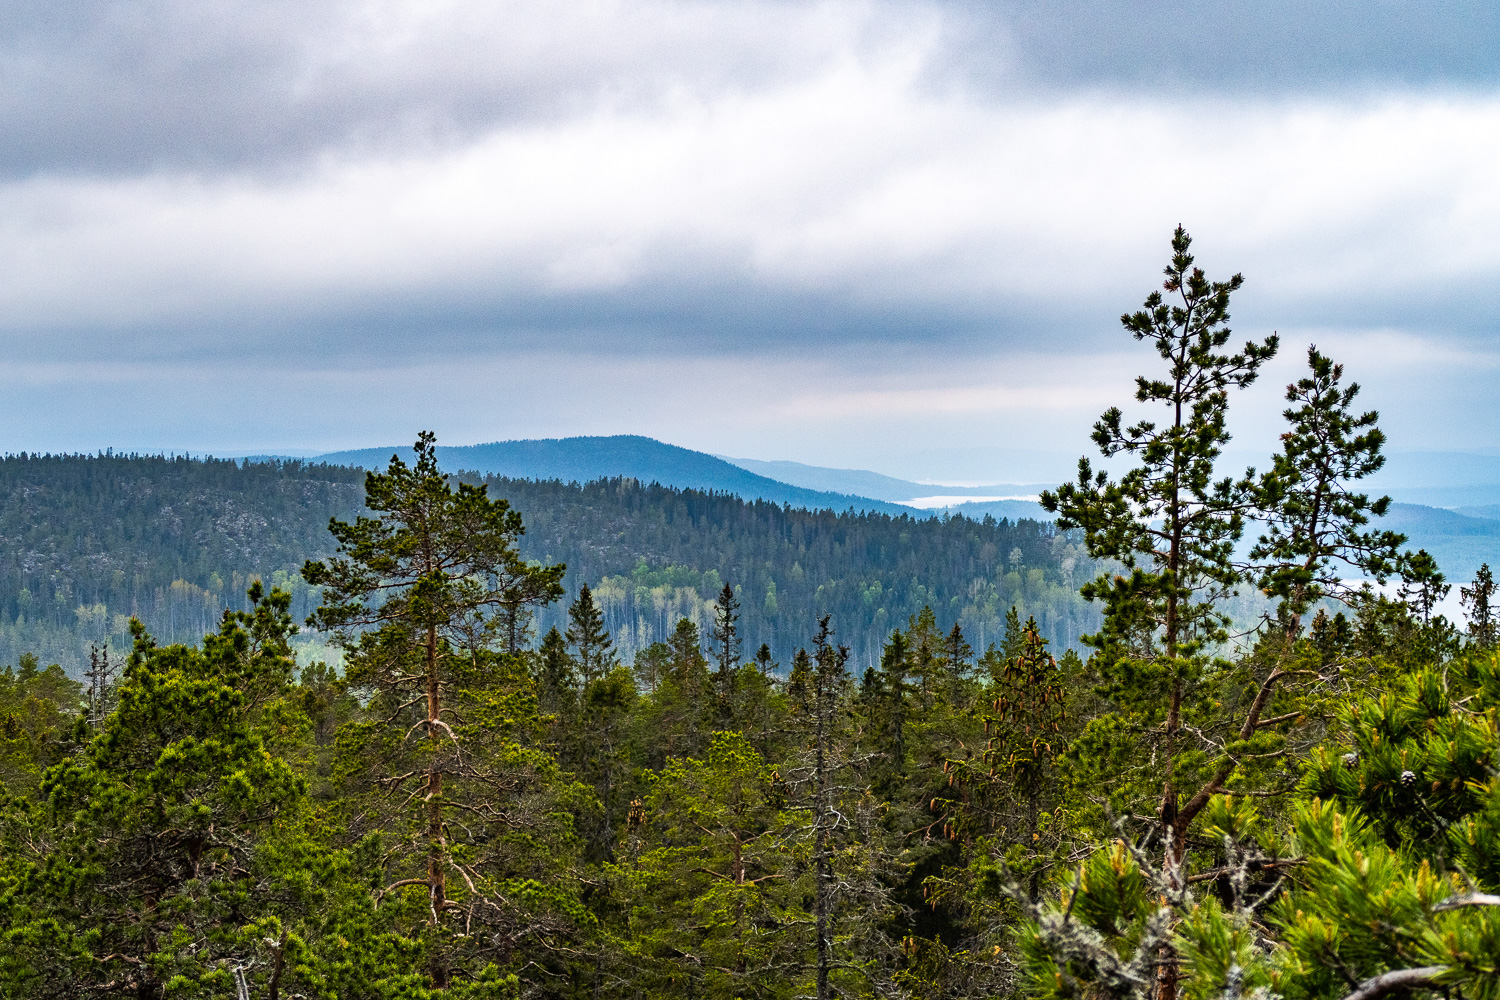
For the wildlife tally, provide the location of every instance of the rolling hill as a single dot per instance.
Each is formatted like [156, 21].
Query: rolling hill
[873, 484]
[585, 459]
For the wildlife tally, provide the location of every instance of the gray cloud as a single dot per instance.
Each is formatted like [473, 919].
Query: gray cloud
[121, 86]
[884, 221]
[1259, 46]
[124, 86]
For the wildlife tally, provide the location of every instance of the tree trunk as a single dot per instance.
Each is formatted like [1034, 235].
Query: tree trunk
[436, 846]
[823, 904]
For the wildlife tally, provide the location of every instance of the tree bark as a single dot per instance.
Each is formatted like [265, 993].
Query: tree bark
[436, 846]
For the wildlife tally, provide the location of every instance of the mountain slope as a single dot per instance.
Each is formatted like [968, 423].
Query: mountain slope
[584, 459]
[873, 484]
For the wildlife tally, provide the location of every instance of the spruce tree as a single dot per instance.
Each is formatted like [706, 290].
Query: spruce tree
[557, 674]
[726, 643]
[593, 649]
[1013, 641]
[1423, 584]
[689, 667]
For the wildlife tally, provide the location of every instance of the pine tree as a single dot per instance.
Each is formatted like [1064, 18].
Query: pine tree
[139, 873]
[412, 598]
[593, 649]
[1422, 584]
[1477, 601]
[1314, 522]
[100, 692]
[1170, 520]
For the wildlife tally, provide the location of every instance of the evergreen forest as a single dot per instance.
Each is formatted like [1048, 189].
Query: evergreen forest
[90, 542]
[615, 741]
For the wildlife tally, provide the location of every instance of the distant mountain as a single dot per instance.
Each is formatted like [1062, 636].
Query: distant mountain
[1459, 543]
[1491, 511]
[1015, 510]
[873, 484]
[1439, 479]
[584, 459]
[1409, 469]
[1454, 497]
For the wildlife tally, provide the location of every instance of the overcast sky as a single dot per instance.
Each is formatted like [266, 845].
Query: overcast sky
[891, 235]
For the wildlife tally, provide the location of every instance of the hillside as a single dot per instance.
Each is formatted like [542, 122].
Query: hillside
[873, 484]
[655, 554]
[1460, 543]
[90, 541]
[584, 459]
[87, 542]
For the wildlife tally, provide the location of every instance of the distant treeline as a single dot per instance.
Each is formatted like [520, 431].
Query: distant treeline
[655, 555]
[86, 542]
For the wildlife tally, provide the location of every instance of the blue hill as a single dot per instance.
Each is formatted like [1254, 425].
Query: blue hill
[583, 459]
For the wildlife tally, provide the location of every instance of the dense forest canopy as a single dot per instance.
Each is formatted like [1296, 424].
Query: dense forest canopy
[654, 555]
[90, 541]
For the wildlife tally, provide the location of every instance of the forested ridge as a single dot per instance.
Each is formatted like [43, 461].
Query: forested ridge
[91, 541]
[654, 555]
[487, 800]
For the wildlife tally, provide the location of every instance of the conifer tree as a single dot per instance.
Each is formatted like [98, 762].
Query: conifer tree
[890, 698]
[1423, 584]
[1171, 520]
[412, 598]
[689, 666]
[1478, 603]
[557, 674]
[593, 649]
[828, 678]
[1314, 533]
[957, 650]
[925, 643]
[137, 873]
[726, 642]
[1013, 640]
[763, 659]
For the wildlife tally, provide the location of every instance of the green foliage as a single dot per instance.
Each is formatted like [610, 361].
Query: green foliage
[1478, 600]
[1169, 520]
[593, 650]
[1313, 530]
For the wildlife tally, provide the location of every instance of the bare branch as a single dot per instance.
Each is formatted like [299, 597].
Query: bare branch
[1398, 979]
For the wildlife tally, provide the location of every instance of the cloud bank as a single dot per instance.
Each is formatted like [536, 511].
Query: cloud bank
[902, 223]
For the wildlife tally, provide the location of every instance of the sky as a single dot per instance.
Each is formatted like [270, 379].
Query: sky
[858, 233]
